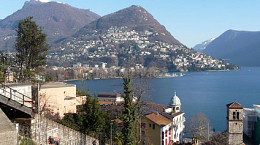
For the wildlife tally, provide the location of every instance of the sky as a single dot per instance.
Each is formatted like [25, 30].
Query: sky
[189, 21]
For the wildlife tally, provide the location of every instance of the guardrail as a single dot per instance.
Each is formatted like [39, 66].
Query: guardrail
[15, 95]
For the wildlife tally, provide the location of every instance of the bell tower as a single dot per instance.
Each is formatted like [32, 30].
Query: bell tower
[175, 103]
[235, 123]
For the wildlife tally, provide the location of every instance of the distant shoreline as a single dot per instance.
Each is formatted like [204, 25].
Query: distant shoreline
[154, 77]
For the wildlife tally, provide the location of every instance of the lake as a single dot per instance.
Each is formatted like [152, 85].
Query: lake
[206, 92]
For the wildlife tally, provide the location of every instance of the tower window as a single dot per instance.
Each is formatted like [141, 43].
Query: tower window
[234, 115]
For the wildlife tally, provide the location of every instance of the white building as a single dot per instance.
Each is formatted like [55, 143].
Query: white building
[249, 119]
[113, 97]
[250, 116]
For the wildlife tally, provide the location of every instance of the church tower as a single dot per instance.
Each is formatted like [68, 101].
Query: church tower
[235, 123]
[175, 103]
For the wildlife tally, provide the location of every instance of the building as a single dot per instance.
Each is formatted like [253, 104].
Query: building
[156, 129]
[257, 124]
[251, 122]
[111, 97]
[235, 123]
[164, 127]
[249, 119]
[58, 98]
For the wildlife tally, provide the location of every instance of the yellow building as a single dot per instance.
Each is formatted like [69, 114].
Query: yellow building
[59, 98]
[161, 128]
[152, 129]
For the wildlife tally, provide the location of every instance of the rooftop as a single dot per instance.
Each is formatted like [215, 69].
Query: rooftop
[234, 105]
[158, 119]
[56, 85]
[171, 116]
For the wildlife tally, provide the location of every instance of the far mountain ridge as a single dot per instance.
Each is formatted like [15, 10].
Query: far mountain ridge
[200, 47]
[58, 20]
[238, 47]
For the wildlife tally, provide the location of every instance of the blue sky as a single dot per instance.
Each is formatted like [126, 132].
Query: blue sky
[189, 21]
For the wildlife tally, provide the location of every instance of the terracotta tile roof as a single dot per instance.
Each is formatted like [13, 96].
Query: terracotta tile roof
[105, 102]
[158, 119]
[118, 121]
[234, 105]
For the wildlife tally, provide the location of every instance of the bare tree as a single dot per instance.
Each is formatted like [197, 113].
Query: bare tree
[218, 139]
[198, 126]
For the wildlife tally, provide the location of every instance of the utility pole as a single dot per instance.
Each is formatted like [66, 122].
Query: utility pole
[111, 133]
[38, 109]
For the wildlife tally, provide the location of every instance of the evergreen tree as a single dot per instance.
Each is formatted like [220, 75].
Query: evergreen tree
[130, 114]
[31, 48]
[94, 120]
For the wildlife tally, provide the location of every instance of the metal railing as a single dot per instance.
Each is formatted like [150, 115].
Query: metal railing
[15, 95]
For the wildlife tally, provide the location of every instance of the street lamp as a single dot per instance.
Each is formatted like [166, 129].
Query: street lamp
[38, 109]
[111, 133]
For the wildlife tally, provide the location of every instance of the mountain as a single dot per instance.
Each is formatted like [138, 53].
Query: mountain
[58, 20]
[200, 47]
[238, 47]
[134, 18]
[130, 38]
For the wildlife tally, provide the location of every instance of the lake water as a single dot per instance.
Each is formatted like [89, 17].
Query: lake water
[206, 92]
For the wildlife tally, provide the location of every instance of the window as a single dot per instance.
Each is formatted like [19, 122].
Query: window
[153, 126]
[150, 125]
[142, 125]
[143, 143]
[170, 130]
[166, 133]
[162, 135]
[234, 115]
[143, 133]
[237, 115]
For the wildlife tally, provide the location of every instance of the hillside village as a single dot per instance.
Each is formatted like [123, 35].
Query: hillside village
[122, 47]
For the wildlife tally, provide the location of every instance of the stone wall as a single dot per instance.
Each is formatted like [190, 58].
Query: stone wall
[8, 133]
[66, 135]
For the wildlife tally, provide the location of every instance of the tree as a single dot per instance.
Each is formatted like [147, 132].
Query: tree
[218, 139]
[3, 66]
[130, 113]
[31, 48]
[198, 126]
[89, 119]
[94, 120]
